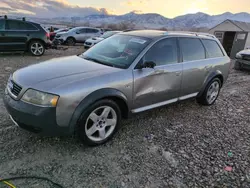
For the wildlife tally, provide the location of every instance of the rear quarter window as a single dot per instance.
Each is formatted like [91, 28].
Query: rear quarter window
[20, 25]
[213, 49]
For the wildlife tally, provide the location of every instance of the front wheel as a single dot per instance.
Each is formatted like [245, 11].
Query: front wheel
[99, 123]
[211, 93]
[70, 41]
[36, 48]
[237, 65]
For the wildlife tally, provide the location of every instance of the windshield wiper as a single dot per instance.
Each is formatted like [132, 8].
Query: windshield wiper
[98, 61]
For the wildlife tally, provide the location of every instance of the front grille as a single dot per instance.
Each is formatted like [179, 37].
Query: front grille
[246, 57]
[15, 89]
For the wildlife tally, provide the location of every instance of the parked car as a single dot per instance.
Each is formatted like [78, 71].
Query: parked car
[127, 73]
[93, 41]
[78, 34]
[242, 60]
[19, 35]
[53, 34]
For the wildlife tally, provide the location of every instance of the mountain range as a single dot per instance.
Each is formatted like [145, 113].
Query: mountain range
[152, 20]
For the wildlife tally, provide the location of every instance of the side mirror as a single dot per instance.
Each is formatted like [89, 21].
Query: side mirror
[148, 64]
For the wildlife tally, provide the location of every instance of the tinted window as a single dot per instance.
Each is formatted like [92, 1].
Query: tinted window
[212, 48]
[192, 49]
[2, 25]
[82, 31]
[163, 52]
[92, 30]
[19, 25]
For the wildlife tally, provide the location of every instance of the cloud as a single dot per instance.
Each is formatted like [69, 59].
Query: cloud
[136, 3]
[47, 8]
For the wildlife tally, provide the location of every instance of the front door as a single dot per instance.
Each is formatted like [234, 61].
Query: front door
[239, 43]
[160, 85]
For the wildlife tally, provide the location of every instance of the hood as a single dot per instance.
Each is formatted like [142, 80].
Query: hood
[245, 52]
[67, 68]
[61, 33]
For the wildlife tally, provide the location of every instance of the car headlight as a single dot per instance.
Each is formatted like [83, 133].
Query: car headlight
[238, 56]
[40, 98]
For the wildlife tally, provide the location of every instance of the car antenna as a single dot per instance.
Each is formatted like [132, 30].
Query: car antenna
[5, 17]
[24, 19]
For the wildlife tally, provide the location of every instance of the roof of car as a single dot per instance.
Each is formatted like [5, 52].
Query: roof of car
[153, 34]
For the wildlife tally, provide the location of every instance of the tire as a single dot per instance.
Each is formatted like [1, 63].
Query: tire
[237, 65]
[93, 127]
[212, 90]
[71, 41]
[36, 48]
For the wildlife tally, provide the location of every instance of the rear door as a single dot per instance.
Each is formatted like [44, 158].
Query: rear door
[17, 35]
[93, 33]
[195, 68]
[2, 34]
[239, 43]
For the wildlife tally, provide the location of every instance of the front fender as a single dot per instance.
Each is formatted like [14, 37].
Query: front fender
[92, 98]
[210, 76]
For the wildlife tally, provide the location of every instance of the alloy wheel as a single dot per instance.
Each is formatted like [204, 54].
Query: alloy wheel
[37, 49]
[213, 92]
[101, 123]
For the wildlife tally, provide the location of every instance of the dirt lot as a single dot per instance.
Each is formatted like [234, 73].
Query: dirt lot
[182, 145]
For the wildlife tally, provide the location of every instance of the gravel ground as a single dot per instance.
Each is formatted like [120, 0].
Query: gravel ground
[182, 145]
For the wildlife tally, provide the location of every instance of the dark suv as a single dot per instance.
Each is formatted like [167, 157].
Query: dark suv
[21, 35]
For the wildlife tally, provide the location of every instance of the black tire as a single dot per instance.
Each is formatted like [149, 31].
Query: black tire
[81, 131]
[36, 51]
[71, 41]
[237, 65]
[203, 98]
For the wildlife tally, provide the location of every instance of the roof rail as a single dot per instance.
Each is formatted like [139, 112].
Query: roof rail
[5, 17]
[193, 33]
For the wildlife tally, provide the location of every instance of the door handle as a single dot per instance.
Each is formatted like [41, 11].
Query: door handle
[159, 71]
[28, 35]
[178, 73]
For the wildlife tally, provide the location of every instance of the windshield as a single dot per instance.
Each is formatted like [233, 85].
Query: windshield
[117, 51]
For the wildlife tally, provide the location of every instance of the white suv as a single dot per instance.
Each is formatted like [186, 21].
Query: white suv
[77, 34]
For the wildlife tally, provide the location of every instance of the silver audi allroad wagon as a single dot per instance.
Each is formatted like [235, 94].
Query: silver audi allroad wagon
[130, 72]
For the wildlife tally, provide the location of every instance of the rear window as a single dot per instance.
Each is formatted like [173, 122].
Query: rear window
[192, 49]
[2, 25]
[213, 49]
[19, 25]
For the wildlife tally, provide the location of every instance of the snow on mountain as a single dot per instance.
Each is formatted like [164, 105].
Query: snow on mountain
[155, 21]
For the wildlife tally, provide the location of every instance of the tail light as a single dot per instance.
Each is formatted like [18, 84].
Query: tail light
[48, 35]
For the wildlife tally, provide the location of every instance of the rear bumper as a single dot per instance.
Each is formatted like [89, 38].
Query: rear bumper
[36, 119]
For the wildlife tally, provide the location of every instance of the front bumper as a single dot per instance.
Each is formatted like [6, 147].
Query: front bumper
[244, 63]
[36, 119]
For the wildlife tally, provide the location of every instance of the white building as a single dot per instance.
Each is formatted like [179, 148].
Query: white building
[234, 35]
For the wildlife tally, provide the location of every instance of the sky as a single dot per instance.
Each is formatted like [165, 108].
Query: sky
[167, 8]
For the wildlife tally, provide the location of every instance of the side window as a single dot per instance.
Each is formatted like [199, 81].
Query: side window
[163, 52]
[192, 49]
[29, 26]
[212, 48]
[2, 25]
[15, 25]
[92, 30]
[82, 31]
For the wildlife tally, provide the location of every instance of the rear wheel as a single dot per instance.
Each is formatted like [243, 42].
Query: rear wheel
[36, 48]
[211, 93]
[71, 41]
[99, 123]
